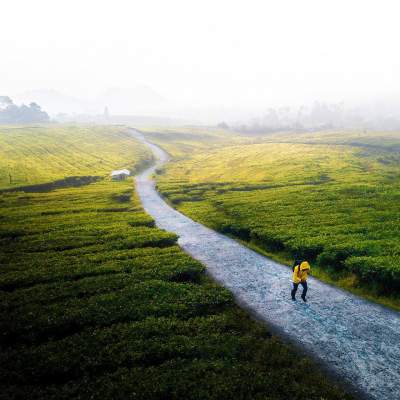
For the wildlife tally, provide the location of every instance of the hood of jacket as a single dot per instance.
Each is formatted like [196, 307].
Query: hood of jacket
[304, 266]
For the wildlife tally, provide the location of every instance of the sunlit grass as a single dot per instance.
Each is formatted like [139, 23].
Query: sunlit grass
[31, 155]
[96, 302]
[305, 194]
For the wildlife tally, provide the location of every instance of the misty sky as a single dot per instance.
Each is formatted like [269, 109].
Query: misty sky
[231, 53]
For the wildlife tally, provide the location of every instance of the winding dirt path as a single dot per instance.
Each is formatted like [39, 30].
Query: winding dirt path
[357, 340]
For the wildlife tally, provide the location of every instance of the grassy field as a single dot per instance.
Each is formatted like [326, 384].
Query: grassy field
[97, 303]
[330, 197]
[40, 154]
[186, 141]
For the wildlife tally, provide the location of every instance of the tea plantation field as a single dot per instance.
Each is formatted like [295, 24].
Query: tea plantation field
[40, 154]
[98, 303]
[184, 142]
[331, 197]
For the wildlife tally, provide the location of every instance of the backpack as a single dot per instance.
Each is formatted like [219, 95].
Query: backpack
[297, 262]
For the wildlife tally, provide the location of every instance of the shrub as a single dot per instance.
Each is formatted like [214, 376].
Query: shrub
[336, 256]
[307, 248]
[235, 229]
[271, 241]
[381, 271]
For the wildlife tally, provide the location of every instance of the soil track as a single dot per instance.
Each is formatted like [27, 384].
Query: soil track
[357, 340]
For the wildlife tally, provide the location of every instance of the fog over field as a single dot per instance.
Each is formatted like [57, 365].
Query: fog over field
[268, 63]
[199, 199]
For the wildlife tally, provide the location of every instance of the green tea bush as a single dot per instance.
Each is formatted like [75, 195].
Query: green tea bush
[97, 303]
[135, 261]
[71, 155]
[131, 303]
[307, 248]
[335, 202]
[270, 240]
[336, 255]
[236, 230]
[384, 271]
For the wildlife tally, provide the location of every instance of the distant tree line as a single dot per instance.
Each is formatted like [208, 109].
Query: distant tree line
[323, 116]
[10, 113]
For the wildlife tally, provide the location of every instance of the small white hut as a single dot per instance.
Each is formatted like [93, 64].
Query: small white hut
[120, 174]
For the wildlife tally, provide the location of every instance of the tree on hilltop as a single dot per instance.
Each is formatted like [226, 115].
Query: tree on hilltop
[10, 113]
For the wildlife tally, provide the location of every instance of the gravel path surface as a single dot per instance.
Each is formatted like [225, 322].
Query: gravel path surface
[358, 340]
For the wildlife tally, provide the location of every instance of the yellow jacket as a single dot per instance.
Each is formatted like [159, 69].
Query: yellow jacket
[302, 274]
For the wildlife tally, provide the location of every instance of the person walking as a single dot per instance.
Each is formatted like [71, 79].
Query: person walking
[301, 269]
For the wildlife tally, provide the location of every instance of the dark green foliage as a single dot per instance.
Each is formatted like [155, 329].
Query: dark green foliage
[337, 255]
[326, 226]
[382, 271]
[331, 197]
[97, 303]
[236, 230]
[70, 181]
[133, 302]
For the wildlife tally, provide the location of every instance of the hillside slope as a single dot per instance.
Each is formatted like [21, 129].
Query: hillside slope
[316, 197]
[39, 154]
[98, 303]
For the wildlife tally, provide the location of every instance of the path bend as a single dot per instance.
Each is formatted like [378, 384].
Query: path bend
[356, 339]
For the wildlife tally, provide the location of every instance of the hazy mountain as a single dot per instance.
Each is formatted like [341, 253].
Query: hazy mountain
[141, 100]
[138, 100]
[52, 101]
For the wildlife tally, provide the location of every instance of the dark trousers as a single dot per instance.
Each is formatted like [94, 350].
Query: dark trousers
[296, 285]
